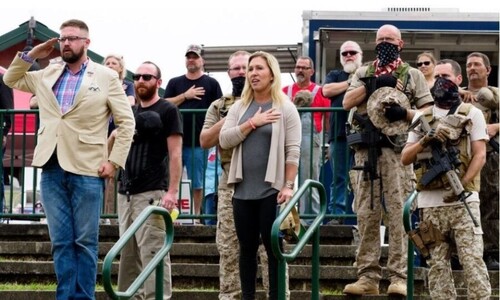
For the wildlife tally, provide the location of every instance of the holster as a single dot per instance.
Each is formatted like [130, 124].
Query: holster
[426, 237]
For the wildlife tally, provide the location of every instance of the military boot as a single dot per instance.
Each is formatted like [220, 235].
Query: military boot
[364, 286]
[397, 287]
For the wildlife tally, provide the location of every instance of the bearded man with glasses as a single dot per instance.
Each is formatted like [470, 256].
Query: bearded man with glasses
[75, 100]
[312, 130]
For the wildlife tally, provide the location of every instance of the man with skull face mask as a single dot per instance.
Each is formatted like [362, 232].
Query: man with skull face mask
[436, 201]
[227, 242]
[392, 182]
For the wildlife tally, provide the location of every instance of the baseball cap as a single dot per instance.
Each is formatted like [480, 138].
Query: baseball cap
[195, 49]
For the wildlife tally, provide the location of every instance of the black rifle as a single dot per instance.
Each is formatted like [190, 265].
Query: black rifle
[370, 138]
[445, 161]
[493, 144]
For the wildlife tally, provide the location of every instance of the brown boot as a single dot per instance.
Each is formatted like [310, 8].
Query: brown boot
[364, 286]
[397, 287]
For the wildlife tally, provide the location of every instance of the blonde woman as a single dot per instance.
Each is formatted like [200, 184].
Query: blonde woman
[426, 63]
[116, 62]
[265, 131]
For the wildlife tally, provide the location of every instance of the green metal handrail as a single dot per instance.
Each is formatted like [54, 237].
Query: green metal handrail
[155, 264]
[407, 224]
[312, 231]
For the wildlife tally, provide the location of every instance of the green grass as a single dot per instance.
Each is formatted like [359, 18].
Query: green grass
[27, 287]
[36, 287]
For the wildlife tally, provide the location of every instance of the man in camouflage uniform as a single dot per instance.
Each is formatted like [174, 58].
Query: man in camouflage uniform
[440, 208]
[226, 239]
[485, 98]
[392, 182]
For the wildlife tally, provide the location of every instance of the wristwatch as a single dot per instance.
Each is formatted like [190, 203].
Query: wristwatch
[289, 184]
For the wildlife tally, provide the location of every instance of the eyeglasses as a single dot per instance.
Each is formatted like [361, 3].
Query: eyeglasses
[238, 68]
[351, 53]
[70, 39]
[302, 68]
[145, 77]
[425, 63]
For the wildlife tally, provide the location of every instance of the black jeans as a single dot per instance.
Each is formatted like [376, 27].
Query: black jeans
[253, 220]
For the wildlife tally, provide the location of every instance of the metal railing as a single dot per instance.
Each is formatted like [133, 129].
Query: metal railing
[407, 225]
[19, 153]
[312, 231]
[156, 262]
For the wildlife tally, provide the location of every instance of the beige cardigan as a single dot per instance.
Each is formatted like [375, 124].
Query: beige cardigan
[285, 142]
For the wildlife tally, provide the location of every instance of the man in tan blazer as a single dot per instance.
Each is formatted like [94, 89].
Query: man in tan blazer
[76, 99]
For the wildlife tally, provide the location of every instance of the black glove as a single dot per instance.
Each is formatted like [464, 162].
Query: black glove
[370, 85]
[395, 113]
[386, 80]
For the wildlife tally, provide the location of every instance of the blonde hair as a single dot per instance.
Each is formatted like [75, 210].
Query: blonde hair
[428, 54]
[121, 62]
[277, 94]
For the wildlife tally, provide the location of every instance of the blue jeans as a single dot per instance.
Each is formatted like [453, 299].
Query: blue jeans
[341, 158]
[195, 160]
[310, 165]
[210, 208]
[72, 205]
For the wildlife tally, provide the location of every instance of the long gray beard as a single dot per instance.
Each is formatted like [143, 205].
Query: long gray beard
[350, 67]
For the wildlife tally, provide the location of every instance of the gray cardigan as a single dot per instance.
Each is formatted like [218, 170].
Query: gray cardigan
[285, 142]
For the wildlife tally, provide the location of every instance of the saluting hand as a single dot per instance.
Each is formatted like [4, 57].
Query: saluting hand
[43, 50]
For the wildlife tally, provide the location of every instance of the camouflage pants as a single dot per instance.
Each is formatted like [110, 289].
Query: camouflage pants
[228, 247]
[489, 203]
[469, 243]
[396, 183]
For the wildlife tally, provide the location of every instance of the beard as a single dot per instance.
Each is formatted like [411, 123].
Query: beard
[193, 68]
[351, 66]
[301, 78]
[71, 56]
[145, 93]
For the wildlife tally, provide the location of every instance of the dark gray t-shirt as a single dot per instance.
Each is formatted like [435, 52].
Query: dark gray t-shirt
[255, 151]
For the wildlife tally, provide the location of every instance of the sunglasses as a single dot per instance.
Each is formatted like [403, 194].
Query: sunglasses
[351, 53]
[425, 63]
[145, 77]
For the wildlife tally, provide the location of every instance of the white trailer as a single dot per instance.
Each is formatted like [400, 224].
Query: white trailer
[448, 33]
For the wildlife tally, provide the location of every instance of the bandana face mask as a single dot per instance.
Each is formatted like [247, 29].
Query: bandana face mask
[445, 93]
[386, 53]
[238, 84]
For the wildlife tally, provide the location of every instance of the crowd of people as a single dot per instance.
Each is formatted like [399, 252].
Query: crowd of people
[392, 127]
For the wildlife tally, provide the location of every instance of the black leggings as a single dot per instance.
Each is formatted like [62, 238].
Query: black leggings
[253, 220]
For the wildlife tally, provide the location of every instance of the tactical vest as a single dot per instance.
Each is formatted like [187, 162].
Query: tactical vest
[463, 146]
[223, 106]
[395, 142]
[401, 73]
